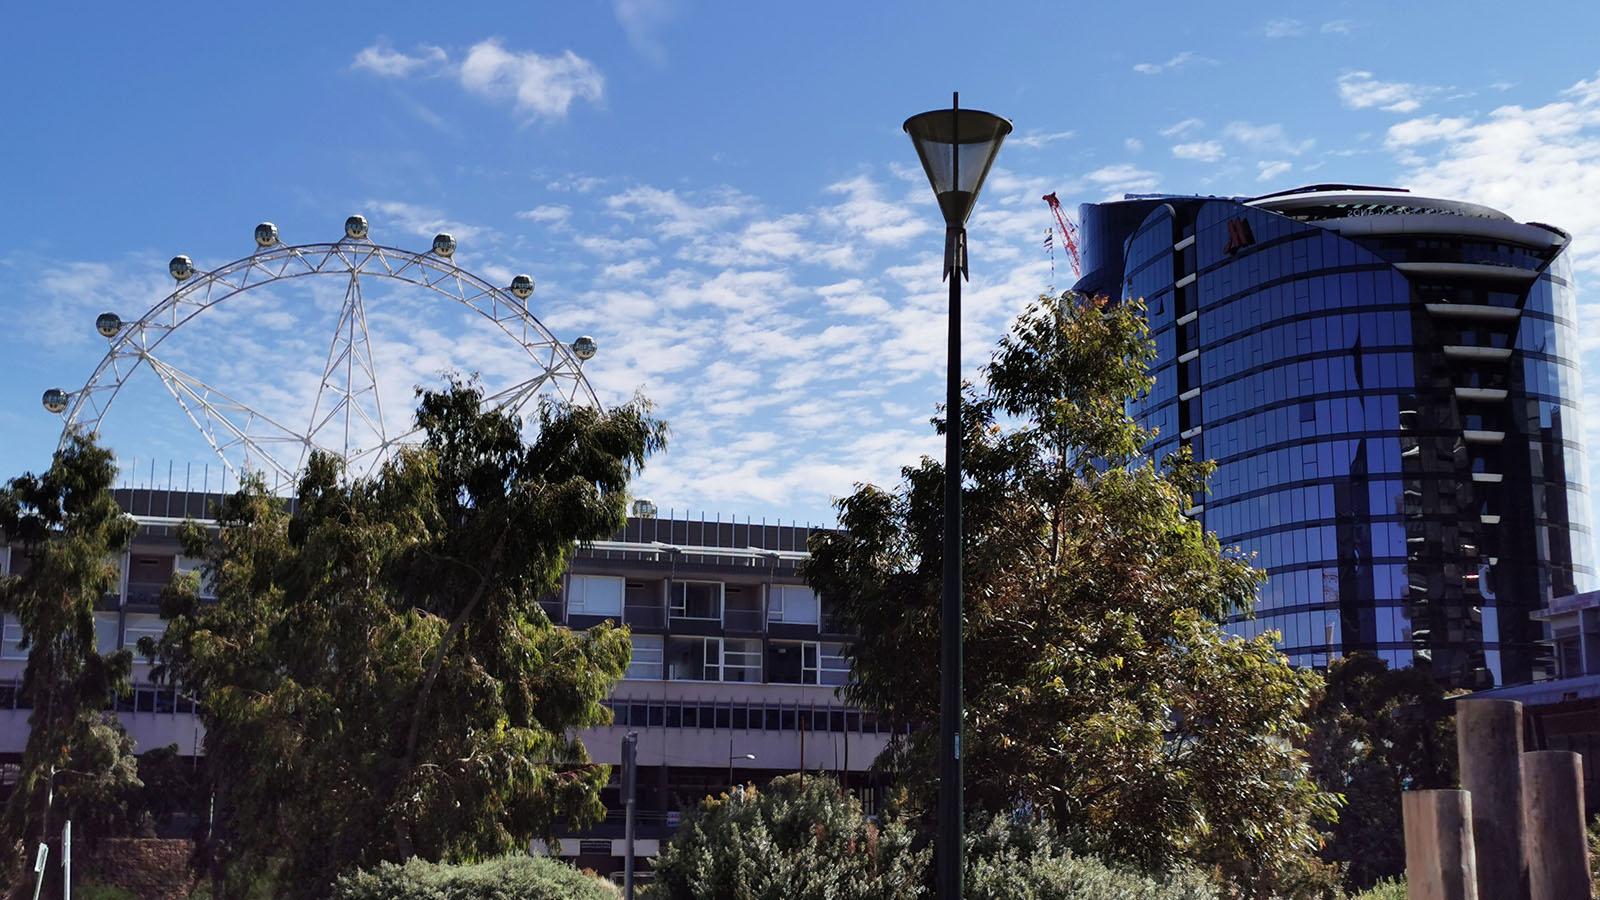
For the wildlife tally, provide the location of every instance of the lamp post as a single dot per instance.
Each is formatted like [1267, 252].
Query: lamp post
[731, 758]
[957, 147]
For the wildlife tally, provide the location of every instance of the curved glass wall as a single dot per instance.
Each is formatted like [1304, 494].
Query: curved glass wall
[1395, 423]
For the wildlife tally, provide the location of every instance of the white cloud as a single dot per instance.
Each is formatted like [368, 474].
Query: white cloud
[1270, 169]
[550, 212]
[632, 270]
[865, 212]
[1339, 27]
[1202, 151]
[1282, 28]
[577, 184]
[640, 20]
[1123, 178]
[423, 221]
[1178, 128]
[1536, 164]
[1133, 145]
[1265, 138]
[1422, 131]
[1177, 62]
[539, 87]
[381, 59]
[1035, 140]
[671, 214]
[1359, 90]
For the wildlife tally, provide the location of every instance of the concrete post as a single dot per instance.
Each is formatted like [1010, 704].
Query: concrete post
[1489, 745]
[1440, 861]
[1557, 848]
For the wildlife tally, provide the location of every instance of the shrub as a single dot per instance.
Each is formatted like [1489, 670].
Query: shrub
[1023, 860]
[1385, 889]
[506, 878]
[805, 837]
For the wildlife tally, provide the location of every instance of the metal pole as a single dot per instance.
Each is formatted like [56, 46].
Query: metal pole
[630, 784]
[948, 850]
[66, 861]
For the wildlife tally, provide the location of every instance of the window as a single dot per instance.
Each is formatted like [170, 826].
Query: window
[12, 638]
[594, 595]
[138, 625]
[825, 664]
[105, 633]
[792, 603]
[697, 600]
[694, 659]
[807, 662]
[713, 659]
[741, 660]
[647, 657]
[207, 584]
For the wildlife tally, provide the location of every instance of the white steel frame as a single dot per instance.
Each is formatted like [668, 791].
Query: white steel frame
[243, 437]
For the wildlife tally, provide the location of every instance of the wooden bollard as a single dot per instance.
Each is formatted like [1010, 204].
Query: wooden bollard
[1558, 851]
[1440, 861]
[1489, 745]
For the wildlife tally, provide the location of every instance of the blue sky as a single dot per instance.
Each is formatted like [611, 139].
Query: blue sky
[719, 193]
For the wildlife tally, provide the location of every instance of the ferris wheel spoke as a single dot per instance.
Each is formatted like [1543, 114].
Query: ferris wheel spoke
[348, 396]
[224, 422]
[369, 368]
[512, 399]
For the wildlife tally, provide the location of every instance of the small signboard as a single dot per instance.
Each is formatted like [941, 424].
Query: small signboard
[44, 854]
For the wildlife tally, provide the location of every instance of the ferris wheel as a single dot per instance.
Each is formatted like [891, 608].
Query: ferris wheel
[346, 416]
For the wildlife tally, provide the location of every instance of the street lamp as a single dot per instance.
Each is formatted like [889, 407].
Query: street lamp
[731, 758]
[957, 146]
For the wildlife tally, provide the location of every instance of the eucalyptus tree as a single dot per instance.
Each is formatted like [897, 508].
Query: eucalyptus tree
[66, 534]
[378, 680]
[1101, 690]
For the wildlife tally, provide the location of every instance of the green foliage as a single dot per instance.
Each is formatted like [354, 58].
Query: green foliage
[1385, 889]
[66, 528]
[174, 785]
[1025, 860]
[506, 878]
[1376, 732]
[1100, 689]
[802, 837]
[1594, 855]
[805, 837]
[378, 680]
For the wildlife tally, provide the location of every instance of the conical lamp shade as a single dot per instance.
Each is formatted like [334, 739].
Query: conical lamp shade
[957, 147]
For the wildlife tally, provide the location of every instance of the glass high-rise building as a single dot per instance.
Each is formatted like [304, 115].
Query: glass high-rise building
[1389, 386]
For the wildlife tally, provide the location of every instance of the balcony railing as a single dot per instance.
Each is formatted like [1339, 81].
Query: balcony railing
[742, 619]
[644, 615]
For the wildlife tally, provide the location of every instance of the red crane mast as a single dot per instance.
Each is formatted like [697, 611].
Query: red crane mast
[1069, 233]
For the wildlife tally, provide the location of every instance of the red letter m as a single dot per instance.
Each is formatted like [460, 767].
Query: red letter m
[1239, 236]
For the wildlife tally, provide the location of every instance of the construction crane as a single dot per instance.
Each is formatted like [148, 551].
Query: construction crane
[1069, 233]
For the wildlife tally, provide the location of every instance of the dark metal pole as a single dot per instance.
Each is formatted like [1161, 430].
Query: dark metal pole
[630, 784]
[948, 852]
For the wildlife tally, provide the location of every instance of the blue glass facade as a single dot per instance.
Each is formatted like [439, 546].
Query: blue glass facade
[1389, 387]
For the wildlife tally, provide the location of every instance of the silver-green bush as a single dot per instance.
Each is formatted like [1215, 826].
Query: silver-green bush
[1385, 889]
[506, 878]
[804, 837]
